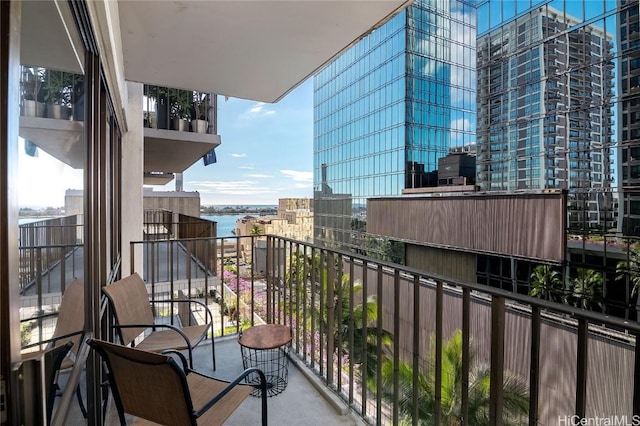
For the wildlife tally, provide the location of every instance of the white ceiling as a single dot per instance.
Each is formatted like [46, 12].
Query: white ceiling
[258, 49]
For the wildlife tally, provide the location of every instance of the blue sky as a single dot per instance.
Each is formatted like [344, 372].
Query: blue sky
[266, 154]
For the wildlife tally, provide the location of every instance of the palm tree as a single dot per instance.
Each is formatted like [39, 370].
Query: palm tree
[546, 283]
[256, 230]
[516, 395]
[347, 315]
[630, 267]
[586, 287]
[355, 315]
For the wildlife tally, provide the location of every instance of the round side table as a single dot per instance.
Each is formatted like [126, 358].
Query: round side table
[267, 348]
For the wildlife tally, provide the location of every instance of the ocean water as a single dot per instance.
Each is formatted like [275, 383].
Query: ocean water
[226, 222]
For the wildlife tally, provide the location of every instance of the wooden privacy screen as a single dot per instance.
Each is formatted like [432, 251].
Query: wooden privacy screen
[522, 225]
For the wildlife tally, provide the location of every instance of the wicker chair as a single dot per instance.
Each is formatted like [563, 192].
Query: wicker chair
[134, 316]
[68, 330]
[153, 387]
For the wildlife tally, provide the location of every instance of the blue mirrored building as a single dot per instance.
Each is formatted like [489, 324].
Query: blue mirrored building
[387, 109]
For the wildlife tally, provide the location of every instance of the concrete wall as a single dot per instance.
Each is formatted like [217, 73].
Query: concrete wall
[178, 202]
[132, 166]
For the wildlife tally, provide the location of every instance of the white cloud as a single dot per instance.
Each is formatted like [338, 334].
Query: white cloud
[461, 124]
[258, 176]
[241, 187]
[259, 109]
[298, 176]
[240, 155]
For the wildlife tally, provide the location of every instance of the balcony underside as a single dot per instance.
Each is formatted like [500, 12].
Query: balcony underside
[61, 139]
[165, 151]
[171, 151]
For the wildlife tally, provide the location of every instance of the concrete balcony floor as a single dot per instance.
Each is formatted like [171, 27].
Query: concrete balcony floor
[301, 403]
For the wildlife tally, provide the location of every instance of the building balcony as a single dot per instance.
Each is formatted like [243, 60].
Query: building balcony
[350, 361]
[179, 129]
[52, 119]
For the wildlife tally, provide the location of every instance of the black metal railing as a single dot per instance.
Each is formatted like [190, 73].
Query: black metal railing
[401, 345]
[178, 109]
[51, 93]
[48, 252]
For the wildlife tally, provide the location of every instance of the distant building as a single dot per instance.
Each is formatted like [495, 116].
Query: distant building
[546, 93]
[187, 203]
[294, 220]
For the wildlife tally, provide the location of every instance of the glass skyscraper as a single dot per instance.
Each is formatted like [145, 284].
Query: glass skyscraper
[551, 75]
[387, 109]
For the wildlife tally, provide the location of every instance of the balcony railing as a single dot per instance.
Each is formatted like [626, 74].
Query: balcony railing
[401, 345]
[178, 109]
[45, 248]
[404, 346]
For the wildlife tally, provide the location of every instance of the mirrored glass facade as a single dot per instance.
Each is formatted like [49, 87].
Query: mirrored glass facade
[387, 109]
[556, 79]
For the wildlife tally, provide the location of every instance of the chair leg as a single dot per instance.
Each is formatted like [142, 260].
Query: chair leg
[81, 402]
[213, 353]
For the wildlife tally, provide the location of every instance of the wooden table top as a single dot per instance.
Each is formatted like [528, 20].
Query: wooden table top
[269, 336]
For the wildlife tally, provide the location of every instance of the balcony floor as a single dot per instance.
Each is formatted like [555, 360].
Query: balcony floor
[300, 403]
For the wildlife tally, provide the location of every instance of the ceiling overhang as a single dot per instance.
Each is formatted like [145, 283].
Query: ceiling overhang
[171, 151]
[258, 50]
[157, 178]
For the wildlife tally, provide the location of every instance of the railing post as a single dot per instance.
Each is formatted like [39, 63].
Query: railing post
[438, 343]
[365, 321]
[351, 328]
[416, 351]
[534, 371]
[636, 377]
[466, 354]
[314, 318]
[581, 368]
[378, 344]
[396, 344]
[497, 360]
[331, 311]
[269, 271]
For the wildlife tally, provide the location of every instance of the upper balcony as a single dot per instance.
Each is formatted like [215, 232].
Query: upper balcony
[179, 128]
[179, 125]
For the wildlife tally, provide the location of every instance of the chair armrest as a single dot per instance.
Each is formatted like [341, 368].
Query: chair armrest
[231, 385]
[183, 359]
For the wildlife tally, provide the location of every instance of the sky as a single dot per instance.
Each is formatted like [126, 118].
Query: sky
[266, 154]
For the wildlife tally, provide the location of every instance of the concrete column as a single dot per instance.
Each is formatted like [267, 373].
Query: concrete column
[132, 179]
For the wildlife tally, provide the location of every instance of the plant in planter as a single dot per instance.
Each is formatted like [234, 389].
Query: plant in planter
[160, 99]
[180, 108]
[57, 88]
[201, 108]
[32, 93]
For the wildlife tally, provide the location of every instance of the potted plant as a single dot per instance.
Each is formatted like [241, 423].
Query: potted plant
[180, 109]
[159, 96]
[201, 108]
[57, 86]
[32, 93]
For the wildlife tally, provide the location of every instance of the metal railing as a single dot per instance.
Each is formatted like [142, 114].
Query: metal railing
[178, 109]
[46, 245]
[404, 346]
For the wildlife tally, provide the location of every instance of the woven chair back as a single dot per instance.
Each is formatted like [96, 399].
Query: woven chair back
[130, 302]
[71, 315]
[146, 384]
